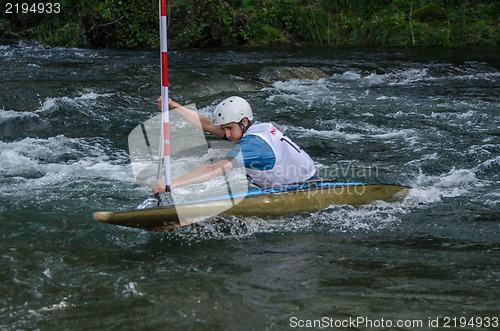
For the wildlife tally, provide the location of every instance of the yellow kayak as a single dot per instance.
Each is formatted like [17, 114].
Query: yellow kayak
[309, 197]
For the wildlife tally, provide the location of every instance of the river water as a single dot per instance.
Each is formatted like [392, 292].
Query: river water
[428, 119]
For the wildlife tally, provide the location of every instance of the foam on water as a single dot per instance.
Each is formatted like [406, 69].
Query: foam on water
[58, 150]
[327, 133]
[369, 132]
[431, 189]
[6, 115]
[89, 104]
[33, 50]
[400, 77]
[68, 166]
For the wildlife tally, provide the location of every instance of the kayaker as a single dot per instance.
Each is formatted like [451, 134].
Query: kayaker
[270, 159]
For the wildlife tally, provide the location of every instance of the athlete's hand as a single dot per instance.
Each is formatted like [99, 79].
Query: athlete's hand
[159, 103]
[171, 103]
[158, 186]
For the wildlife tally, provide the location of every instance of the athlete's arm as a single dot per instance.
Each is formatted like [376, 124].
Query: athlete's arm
[199, 121]
[202, 174]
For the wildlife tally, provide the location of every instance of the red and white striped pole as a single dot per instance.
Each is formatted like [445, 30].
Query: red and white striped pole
[164, 93]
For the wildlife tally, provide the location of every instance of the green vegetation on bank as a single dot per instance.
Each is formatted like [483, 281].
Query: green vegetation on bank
[201, 23]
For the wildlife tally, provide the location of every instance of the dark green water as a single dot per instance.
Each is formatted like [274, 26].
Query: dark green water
[428, 119]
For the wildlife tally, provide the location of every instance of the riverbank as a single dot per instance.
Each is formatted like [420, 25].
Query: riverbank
[208, 23]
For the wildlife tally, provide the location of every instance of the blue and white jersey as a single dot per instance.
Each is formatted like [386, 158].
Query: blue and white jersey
[270, 158]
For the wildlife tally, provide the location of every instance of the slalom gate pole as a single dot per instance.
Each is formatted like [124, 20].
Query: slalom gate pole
[164, 94]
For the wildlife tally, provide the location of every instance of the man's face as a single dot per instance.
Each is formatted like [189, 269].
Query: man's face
[233, 131]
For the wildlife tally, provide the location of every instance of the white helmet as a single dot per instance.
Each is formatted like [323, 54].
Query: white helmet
[232, 109]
